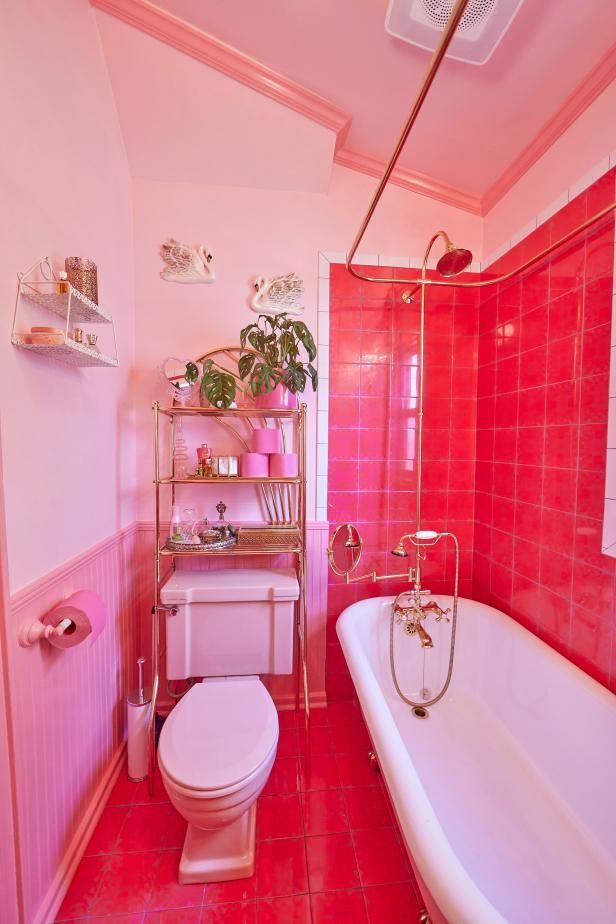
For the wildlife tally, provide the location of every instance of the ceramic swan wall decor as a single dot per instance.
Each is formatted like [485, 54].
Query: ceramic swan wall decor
[186, 264]
[279, 295]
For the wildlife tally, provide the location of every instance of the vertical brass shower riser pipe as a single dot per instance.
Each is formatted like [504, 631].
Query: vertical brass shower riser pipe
[420, 397]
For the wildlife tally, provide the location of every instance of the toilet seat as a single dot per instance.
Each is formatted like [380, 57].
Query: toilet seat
[219, 735]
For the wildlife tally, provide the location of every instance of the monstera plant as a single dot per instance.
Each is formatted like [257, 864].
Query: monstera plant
[275, 350]
[274, 356]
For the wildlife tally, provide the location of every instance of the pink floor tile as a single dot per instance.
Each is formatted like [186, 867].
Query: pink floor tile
[325, 812]
[380, 857]
[175, 916]
[236, 890]
[293, 910]
[130, 919]
[126, 884]
[279, 816]
[82, 890]
[352, 738]
[336, 907]
[367, 808]
[107, 830]
[145, 827]
[392, 904]
[283, 778]
[230, 913]
[166, 890]
[159, 793]
[356, 772]
[123, 792]
[310, 867]
[318, 771]
[331, 863]
[317, 740]
[281, 868]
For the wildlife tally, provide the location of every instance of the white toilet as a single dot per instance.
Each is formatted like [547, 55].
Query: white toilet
[218, 744]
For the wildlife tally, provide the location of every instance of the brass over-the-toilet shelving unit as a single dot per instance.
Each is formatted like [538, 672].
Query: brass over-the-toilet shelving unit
[293, 522]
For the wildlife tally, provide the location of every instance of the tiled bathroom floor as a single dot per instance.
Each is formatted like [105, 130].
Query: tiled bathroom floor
[328, 849]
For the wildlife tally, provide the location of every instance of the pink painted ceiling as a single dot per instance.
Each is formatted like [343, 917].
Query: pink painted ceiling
[476, 122]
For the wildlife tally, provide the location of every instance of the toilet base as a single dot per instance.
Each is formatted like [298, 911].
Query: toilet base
[220, 854]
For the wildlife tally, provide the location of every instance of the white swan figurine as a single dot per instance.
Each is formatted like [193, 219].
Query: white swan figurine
[279, 295]
[186, 264]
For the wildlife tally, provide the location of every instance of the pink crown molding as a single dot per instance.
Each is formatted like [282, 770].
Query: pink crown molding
[229, 61]
[409, 179]
[203, 47]
[584, 94]
[173, 31]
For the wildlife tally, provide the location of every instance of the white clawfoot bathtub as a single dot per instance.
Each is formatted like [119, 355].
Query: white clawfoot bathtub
[506, 793]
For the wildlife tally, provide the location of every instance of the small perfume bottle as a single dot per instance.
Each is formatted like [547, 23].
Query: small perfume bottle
[204, 457]
[62, 283]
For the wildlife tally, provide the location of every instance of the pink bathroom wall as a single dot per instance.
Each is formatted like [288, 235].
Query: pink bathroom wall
[589, 140]
[253, 232]
[542, 420]
[10, 882]
[68, 433]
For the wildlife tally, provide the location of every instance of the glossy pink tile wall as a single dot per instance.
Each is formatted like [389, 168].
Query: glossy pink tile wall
[374, 357]
[544, 346]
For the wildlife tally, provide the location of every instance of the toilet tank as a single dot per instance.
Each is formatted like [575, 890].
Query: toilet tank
[232, 622]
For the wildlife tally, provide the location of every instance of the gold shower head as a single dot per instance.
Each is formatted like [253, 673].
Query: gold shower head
[400, 551]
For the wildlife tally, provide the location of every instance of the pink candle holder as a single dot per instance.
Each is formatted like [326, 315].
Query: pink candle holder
[254, 465]
[283, 465]
[266, 440]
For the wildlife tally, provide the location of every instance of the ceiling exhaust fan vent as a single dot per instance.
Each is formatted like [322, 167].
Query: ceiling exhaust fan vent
[437, 12]
[482, 27]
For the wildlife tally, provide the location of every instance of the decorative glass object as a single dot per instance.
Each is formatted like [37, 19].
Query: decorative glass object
[180, 451]
[82, 275]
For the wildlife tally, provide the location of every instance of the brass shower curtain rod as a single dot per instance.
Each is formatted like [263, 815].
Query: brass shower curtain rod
[439, 53]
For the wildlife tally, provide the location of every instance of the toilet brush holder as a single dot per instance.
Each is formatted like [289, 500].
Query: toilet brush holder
[138, 705]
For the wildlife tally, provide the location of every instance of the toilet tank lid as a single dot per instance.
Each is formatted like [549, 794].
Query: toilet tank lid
[230, 585]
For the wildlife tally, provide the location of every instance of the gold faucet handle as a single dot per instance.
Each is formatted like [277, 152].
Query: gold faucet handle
[441, 613]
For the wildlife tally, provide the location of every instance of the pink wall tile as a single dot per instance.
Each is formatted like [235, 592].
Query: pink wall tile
[380, 444]
[542, 563]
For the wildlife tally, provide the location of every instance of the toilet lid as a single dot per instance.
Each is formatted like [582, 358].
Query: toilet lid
[219, 733]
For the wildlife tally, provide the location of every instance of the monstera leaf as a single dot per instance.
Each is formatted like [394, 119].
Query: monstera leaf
[217, 386]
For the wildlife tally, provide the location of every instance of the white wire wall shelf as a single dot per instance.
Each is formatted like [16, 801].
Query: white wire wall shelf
[61, 299]
[71, 352]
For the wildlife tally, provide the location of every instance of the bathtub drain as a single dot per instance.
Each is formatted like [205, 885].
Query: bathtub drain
[420, 712]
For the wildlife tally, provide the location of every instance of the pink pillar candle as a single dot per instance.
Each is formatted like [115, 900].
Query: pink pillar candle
[283, 465]
[266, 439]
[253, 465]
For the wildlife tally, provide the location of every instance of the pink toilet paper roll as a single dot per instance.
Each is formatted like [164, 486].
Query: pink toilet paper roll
[253, 465]
[88, 614]
[283, 465]
[266, 440]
